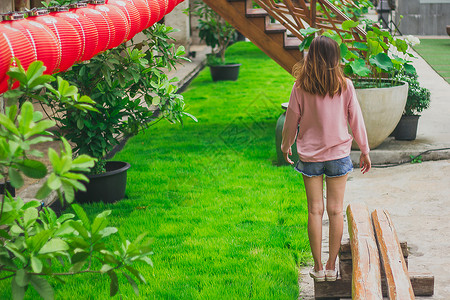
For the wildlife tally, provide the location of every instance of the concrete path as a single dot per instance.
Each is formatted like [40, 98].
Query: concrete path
[416, 195]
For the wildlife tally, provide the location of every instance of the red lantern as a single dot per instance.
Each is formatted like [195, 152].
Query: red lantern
[144, 12]
[67, 36]
[163, 5]
[17, 46]
[5, 56]
[132, 15]
[86, 30]
[154, 15]
[105, 27]
[171, 6]
[121, 25]
[45, 44]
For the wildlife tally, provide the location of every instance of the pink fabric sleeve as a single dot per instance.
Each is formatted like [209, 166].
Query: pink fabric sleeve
[291, 122]
[356, 122]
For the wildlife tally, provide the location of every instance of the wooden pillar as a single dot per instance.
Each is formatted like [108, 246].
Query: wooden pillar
[366, 275]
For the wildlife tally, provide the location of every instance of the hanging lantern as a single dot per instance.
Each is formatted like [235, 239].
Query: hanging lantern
[121, 24]
[144, 12]
[5, 56]
[163, 5]
[67, 36]
[171, 5]
[86, 30]
[17, 46]
[154, 12]
[103, 24]
[45, 44]
[132, 15]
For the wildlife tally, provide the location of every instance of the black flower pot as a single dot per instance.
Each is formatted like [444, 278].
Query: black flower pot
[107, 187]
[406, 129]
[225, 72]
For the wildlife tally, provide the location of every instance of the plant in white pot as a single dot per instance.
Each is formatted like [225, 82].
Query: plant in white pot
[372, 64]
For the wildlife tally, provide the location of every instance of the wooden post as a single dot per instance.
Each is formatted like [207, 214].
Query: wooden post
[394, 265]
[366, 275]
[312, 7]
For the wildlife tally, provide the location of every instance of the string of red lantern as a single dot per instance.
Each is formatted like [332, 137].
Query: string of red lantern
[85, 28]
[66, 36]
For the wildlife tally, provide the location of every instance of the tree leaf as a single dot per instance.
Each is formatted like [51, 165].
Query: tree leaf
[409, 69]
[36, 264]
[18, 292]
[359, 67]
[346, 25]
[54, 245]
[43, 192]
[136, 274]
[79, 257]
[30, 215]
[106, 268]
[22, 278]
[5, 121]
[32, 168]
[26, 117]
[53, 182]
[82, 215]
[114, 286]
[382, 61]
[132, 283]
[42, 286]
[16, 178]
[78, 226]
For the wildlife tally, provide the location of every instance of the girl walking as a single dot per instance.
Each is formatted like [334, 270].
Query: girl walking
[321, 105]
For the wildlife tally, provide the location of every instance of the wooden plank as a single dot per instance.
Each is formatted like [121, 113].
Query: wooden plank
[423, 285]
[366, 275]
[346, 254]
[393, 262]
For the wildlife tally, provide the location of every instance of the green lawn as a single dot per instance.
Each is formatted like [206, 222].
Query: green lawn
[227, 223]
[437, 53]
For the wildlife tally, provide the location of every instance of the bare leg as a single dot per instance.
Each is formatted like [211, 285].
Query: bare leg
[314, 195]
[335, 203]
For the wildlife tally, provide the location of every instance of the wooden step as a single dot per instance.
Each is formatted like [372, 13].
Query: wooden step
[256, 13]
[275, 28]
[291, 43]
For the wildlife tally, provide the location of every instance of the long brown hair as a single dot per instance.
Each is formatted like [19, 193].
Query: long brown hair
[320, 73]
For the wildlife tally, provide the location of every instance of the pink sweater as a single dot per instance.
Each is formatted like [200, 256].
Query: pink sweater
[323, 131]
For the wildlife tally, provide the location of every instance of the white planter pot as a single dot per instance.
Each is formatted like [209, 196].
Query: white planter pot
[382, 109]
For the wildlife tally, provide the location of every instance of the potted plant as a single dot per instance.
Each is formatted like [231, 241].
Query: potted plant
[132, 93]
[218, 34]
[418, 100]
[372, 63]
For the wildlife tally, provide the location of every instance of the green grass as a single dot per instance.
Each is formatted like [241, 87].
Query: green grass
[226, 222]
[437, 53]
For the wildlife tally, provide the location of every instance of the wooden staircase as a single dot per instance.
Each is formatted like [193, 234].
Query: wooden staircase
[291, 16]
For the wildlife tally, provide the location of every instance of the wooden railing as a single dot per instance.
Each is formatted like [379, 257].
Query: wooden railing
[300, 14]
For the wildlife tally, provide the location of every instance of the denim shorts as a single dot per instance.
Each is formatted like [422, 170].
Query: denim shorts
[331, 168]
